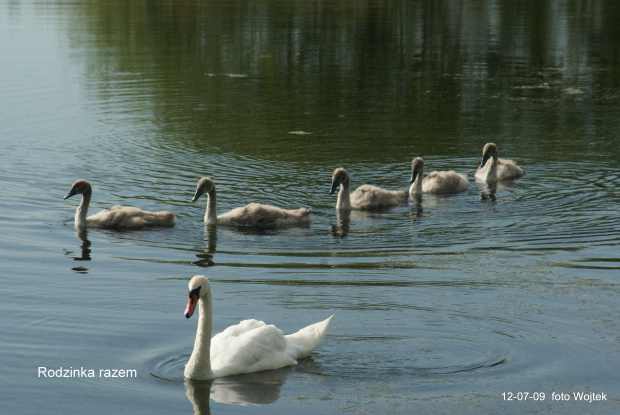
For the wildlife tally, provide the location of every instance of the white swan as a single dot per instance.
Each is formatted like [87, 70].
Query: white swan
[250, 346]
[365, 196]
[437, 182]
[116, 217]
[253, 214]
[493, 169]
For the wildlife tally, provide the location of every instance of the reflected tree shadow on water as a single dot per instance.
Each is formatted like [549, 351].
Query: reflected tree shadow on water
[259, 388]
[85, 251]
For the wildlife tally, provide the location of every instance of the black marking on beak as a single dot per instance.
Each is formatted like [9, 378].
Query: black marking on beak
[193, 297]
[195, 291]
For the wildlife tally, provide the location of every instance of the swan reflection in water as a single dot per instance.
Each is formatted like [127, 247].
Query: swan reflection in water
[417, 210]
[488, 190]
[259, 388]
[487, 193]
[205, 258]
[84, 249]
[360, 218]
[341, 228]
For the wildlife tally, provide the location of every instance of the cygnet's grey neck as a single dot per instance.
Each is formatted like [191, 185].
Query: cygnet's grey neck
[416, 186]
[344, 197]
[211, 212]
[492, 170]
[82, 210]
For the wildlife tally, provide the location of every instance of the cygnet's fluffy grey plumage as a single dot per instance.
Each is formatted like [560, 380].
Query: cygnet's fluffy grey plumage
[437, 182]
[116, 217]
[493, 169]
[365, 197]
[253, 214]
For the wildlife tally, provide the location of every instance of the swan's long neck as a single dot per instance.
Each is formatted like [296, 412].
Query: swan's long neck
[416, 186]
[82, 210]
[211, 212]
[492, 170]
[344, 197]
[199, 364]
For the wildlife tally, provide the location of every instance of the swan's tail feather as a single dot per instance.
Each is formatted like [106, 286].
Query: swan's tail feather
[308, 338]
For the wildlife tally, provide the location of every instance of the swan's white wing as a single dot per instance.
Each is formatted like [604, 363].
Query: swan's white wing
[248, 347]
[302, 343]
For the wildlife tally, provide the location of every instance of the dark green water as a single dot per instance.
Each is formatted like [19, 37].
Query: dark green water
[443, 304]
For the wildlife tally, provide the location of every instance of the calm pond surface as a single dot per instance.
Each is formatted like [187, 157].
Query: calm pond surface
[444, 305]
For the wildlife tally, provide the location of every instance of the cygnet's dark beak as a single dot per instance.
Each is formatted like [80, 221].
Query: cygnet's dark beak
[334, 187]
[485, 158]
[199, 193]
[71, 193]
[414, 174]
